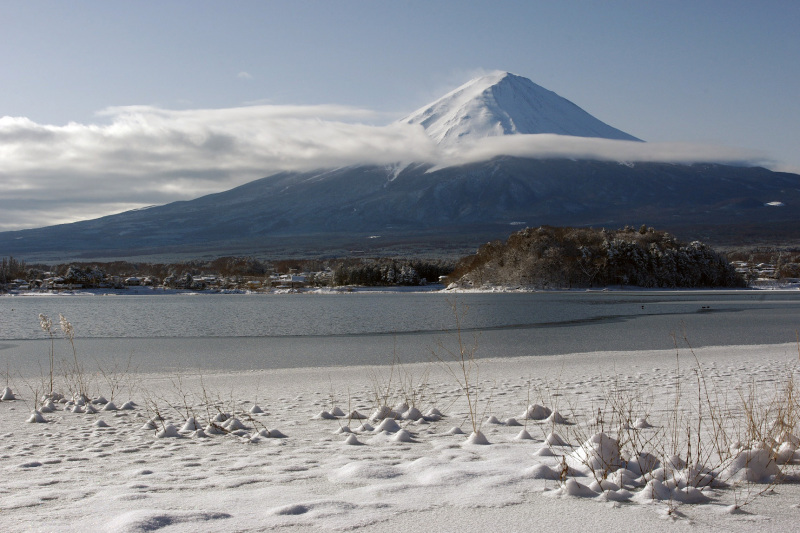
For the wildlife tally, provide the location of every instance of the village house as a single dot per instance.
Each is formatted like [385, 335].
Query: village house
[288, 281]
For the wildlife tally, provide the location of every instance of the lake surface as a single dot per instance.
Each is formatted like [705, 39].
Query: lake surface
[241, 332]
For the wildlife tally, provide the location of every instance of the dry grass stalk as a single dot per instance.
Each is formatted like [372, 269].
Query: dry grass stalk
[461, 364]
[696, 441]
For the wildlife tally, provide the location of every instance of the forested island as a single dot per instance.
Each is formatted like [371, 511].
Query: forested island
[563, 257]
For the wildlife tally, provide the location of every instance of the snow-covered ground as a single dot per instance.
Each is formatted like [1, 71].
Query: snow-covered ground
[302, 466]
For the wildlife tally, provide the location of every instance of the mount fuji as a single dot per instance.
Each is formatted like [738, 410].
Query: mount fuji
[421, 209]
[502, 103]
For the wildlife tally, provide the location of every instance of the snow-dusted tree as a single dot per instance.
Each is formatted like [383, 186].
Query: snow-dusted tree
[566, 257]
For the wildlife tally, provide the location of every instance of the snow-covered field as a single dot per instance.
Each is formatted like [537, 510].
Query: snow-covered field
[303, 465]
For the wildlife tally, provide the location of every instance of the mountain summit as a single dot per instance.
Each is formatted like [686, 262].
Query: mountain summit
[502, 103]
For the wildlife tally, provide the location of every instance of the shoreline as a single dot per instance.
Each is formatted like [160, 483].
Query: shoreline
[432, 288]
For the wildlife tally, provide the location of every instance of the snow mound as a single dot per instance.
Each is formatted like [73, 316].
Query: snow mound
[542, 472]
[785, 452]
[214, 429]
[544, 451]
[233, 424]
[149, 425]
[659, 491]
[536, 412]
[402, 436]
[523, 435]
[476, 437]
[168, 431]
[352, 440]
[382, 412]
[53, 396]
[756, 465]
[191, 425]
[603, 485]
[600, 453]
[573, 488]
[412, 414]
[389, 425]
[554, 439]
[556, 418]
[645, 463]
[36, 418]
[274, 434]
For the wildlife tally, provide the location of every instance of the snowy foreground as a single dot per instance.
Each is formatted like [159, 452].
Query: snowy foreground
[590, 442]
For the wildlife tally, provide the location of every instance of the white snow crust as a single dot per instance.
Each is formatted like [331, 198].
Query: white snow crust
[144, 469]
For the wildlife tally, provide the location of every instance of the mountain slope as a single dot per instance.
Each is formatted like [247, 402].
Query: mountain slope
[335, 211]
[505, 104]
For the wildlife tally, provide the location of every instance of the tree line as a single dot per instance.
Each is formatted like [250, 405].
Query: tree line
[11, 269]
[321, 272]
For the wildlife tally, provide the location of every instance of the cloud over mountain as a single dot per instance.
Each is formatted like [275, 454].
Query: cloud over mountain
[144, 155]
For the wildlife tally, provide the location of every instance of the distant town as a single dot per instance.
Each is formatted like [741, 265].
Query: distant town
[231, 275]
[53, 282]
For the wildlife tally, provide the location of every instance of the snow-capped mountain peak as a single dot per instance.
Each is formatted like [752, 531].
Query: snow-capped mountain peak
[502, 103]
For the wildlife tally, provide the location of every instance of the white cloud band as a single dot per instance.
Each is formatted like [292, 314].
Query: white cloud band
[146, 155]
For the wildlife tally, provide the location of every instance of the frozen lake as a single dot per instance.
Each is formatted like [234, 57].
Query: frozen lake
[243, 332]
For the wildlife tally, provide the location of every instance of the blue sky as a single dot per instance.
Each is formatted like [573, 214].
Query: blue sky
[718, 73]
